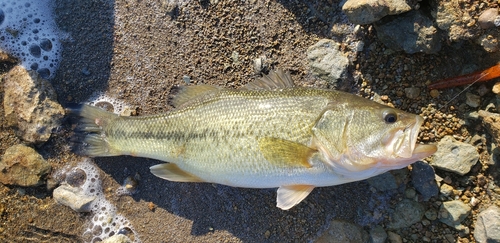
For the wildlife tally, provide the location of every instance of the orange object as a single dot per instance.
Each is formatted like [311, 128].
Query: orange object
[480, 76]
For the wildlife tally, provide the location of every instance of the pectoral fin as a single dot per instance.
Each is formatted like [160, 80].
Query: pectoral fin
[172, 172]
[285, 153]
[289, 196]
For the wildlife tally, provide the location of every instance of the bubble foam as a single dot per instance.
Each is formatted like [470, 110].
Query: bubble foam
[28, 32]
[101, 100]
[104, 220]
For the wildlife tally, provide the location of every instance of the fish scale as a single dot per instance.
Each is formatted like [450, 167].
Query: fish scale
[235, 116]
[267, 134]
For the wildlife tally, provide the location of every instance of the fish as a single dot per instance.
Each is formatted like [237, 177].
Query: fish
[267, 134]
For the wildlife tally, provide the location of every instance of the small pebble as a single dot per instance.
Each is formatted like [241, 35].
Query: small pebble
[431, 214]
[434, 93]
[393, 237]
[472, 100]
[410, 193]
[446, 190]
[412, 92]
[496, 88]
[76, 177]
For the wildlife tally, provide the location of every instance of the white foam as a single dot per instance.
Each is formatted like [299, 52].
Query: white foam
[100, 99]
[104, 220]
[28, 31]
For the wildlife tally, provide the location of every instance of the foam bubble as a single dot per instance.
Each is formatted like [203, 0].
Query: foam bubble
[28, 31]
[104, 221]
[101, 100]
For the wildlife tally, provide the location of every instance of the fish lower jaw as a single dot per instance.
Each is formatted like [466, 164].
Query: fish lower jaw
[423, 150]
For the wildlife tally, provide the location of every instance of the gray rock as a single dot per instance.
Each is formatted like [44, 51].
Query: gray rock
[454, 156]
[411, 32]
[406, 213]
[73, 197]
[23, 166]
[487, 228]
[30, 104]
[343, 232]
[453, 213]
[383, 182]
[326, 61]
[423, 179]
[378, 235]
[369, 11]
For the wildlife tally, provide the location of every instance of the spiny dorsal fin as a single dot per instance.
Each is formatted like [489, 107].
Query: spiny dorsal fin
[181, 95]
[172, 172]
[289, 196]
[274, 80]
[285, 153]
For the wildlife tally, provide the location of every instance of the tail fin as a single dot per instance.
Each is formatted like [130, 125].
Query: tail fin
[89, 136]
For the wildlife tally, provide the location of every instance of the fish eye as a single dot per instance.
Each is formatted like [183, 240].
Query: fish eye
[390, 117]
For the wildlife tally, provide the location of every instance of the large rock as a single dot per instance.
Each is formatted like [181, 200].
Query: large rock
[453, 213]
[406, 213]
[487, 225]
[23, 166]
[411, 32]
[73, 197]
[369, 11]
[423, 179]
[327, 61]
[30, 105]
[454, 156]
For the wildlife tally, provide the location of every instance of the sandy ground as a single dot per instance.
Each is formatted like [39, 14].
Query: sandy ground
[135, 51]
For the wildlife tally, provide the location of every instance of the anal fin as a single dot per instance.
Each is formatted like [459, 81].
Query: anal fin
[172, 172]
[289, 196]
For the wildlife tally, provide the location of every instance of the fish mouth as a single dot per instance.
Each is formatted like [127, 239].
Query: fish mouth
[423, 150]
[404, 142]
[419, 151]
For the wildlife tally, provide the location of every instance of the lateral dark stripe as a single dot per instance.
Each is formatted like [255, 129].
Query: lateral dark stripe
[175, 135]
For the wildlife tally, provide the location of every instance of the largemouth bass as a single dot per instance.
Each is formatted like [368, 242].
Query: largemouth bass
[267, 134]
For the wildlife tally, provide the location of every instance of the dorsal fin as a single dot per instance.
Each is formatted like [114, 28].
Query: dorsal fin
[180, 95]
[274, 80]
